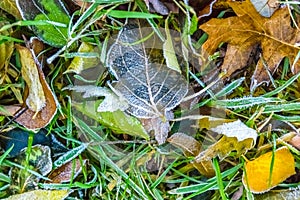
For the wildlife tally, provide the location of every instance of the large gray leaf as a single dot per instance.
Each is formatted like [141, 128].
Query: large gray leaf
[150, 87]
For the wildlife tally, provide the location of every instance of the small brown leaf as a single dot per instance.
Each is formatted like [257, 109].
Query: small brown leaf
[41, 104]
[67, 171]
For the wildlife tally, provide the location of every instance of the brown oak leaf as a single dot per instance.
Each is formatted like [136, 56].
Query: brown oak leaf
[244, 32]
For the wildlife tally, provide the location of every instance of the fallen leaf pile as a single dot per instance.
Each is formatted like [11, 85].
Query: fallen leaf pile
[248, 30]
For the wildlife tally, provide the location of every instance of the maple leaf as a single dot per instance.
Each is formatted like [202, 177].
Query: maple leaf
[245, 32]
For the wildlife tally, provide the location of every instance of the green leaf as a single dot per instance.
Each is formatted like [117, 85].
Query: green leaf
[47, 10]
[117, 121]
[121, 123]
[169, 52]
[41, 194]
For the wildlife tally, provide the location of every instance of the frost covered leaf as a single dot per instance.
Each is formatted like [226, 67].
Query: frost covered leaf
[236, 137]
[40, 100]
[48, 10]
[80, 63]
[36, 99]
[236, 129]
[265, 7]
[150, 87]
[290, 193]
[39, 161]
[66, 172]
[118, 121]
[259, 178]
[41, 194]
[111, 102]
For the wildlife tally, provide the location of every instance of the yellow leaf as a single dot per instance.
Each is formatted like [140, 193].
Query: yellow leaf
[10, 7]
[40, 100]
[41, 195]
[36, 98]
[257, 175]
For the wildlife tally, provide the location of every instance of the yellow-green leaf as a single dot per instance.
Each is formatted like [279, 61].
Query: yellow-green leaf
[41, 195]
[10, 7]
[81, 63]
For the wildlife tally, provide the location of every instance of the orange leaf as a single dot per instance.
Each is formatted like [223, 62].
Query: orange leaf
[245, 32]
[257, 175]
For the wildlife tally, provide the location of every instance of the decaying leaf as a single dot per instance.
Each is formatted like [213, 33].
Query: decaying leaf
[36, 99]
[40, 100]
[50, 10]
[40, 195]
[10, 7]
[39, 161]
[150, 87]
[287, 194]
[236, 137]
[19, 139]
[81, 63]
[260, 177]
[248, 29]
[265, 7]
[6, 48]
[66, 172]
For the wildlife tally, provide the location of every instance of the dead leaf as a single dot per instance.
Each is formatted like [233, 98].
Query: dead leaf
[191, 147]
[39, 160]
[236, 137]
[41, 195]
[10, 6]
[151, 88]
[66, 172]
[247, 30]
[6, 48]
[265, 7]
[40, 101]
[256, 176]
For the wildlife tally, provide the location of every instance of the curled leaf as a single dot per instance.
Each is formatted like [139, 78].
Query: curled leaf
[36, 99]
[259, 176]
[40, 101]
